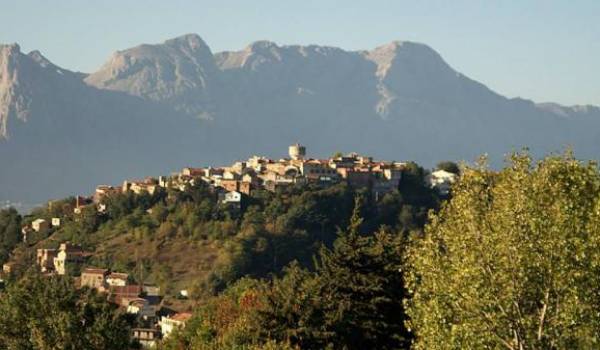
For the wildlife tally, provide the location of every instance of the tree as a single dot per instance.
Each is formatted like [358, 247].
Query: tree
[362, 290]
[352, 301]
[413, 189]
[223, 322]
[10, 231]
[291, 310]
[448, 166]
[512, 262]
[48, 313]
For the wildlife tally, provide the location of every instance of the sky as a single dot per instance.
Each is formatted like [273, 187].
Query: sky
[541, 50]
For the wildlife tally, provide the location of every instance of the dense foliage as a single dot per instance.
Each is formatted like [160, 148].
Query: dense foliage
[512, 262]
[309, 284]
[10, 232]
[213, 245]
[352, 300]
[48, 313]
[448, 166]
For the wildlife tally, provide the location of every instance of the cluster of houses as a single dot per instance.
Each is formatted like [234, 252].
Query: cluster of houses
[59, 260]
[231, 183]
[53, 261]
[144, 301]
[153, 321]
[243, 177]
[41, 226]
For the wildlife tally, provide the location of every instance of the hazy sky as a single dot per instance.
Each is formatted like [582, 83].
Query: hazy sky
[542, 50]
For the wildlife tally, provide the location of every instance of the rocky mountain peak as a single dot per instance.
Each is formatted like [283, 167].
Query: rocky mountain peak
[405, 53]
[12, 102]
[6, 49]
[9, 60]
[402, 97]
[262, 46]
[188, 42]
[177, 71]
[40, 59]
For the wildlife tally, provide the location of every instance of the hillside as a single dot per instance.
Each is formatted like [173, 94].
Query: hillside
[191, 240]
[156, 108]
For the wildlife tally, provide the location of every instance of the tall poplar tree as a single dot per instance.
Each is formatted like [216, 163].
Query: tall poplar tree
[512, 262]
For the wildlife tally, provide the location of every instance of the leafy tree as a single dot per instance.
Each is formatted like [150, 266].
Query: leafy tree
[10, 231]
[512, 262]
[448, 166]
[224, 322]
[388, 208]
[49, 313]
[292, 311]
[88, 219]
[60, 208]
[417, 196]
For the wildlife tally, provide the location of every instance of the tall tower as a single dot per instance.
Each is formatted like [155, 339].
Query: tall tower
[297, 151]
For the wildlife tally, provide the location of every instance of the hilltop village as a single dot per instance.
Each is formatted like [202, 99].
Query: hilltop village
[241, 178]
[232, 183]
[231, 186]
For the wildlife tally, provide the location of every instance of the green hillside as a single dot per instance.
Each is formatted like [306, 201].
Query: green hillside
[187, 240]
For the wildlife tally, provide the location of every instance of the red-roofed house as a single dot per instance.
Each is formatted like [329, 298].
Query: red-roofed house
[122, 295]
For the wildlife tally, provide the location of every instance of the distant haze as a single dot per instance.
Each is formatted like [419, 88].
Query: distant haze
[155, 108]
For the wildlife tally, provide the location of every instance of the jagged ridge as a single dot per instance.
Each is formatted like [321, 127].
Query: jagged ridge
[398, 101]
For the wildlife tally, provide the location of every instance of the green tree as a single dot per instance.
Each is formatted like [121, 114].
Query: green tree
[512, 262]
[361, 289]
[352, 301]
[292, 311]
[419, 197]
[224, 322]
[448, 166]
[10, 232]
[48, 313]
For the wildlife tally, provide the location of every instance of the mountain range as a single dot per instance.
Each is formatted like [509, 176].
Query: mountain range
[155, 108]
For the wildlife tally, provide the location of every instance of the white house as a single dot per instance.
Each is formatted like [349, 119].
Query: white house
[40, 225]
[441, 180]
[117, 279]
[169, 323]
[232, 197]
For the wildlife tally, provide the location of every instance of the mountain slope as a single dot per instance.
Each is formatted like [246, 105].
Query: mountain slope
[62, 136]
[154, 108]
[180, 72]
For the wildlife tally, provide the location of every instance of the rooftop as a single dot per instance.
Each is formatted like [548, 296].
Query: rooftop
[94, 271]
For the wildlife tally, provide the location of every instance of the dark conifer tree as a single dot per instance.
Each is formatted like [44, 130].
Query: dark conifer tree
[361, 289]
